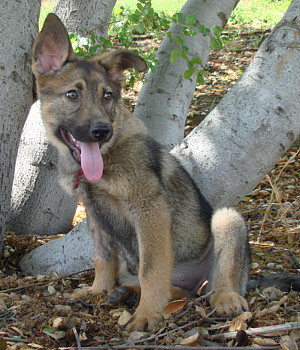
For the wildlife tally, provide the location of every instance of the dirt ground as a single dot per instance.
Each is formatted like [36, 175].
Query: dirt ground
[38, 313]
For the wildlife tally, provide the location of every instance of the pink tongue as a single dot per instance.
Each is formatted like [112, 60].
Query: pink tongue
[91, 161]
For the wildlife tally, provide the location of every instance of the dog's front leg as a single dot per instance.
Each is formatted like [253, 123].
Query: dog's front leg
[105, 261]
[156, 262]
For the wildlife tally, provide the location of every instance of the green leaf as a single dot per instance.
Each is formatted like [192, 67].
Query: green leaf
[47, 329]
[203, 30]
[178, 18]
[170, 36]
[179, 40]
[215, 44]
[135, 18]
[139, 6]
[191, 19]
[183, 55]
[217, 31]
[131, 81]
[140, 28]
[204, 72]
[200, 79]
[187, 31]
[174, 56]
[184, 48]
[189, 72]
[196, 60]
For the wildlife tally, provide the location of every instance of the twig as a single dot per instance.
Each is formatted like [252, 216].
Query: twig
[172, 347]
[17, 340]
[156, 336]
[77, 338]
[260, 330]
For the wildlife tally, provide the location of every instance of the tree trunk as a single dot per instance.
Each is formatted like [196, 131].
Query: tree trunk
[241, 140]
[166, 96]
[17, 32]
[79, 16]
[39, 205]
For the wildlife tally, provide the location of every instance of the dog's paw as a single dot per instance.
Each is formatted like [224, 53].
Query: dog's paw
[83, 292]
[228, 303]
[142, 322]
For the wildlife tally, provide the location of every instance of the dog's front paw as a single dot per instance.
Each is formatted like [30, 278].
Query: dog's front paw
[89, 290]
[144, 321]
[228, 303]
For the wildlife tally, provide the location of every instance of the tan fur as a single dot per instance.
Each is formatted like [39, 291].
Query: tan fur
[145, 212]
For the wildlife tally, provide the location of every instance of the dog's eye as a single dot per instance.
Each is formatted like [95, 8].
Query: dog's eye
[72, 95]
[107, 95]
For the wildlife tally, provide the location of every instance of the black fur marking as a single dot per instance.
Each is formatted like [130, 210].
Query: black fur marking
[205, 209]
[117, 227]
[154, 157]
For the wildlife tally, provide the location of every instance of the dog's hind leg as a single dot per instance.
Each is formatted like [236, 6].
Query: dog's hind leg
[231, 260]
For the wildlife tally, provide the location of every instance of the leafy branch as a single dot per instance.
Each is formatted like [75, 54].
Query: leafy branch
[190, 27]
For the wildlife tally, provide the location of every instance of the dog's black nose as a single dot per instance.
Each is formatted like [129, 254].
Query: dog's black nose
[100, 132]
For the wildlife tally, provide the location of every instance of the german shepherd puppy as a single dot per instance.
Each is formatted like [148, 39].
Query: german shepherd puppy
[144, 210]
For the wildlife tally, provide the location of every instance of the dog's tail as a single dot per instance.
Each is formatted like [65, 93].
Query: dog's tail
[284, 282]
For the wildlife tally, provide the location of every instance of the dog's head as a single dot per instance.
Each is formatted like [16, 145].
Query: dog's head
[80, 99]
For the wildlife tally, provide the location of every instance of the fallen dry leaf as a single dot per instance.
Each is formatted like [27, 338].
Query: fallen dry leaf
[239, 323]
[190, 340]
[174, 306]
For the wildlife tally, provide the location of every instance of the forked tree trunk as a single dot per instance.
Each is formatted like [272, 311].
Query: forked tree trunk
[17, 33]
[241, 140]
[166, 96]
[236, 145]
[39, 205]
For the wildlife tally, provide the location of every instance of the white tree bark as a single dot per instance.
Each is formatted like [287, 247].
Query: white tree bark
[38, 204]
[166, 96]
[68, 254]
[241, 140]
[78, 15]
[17, 32]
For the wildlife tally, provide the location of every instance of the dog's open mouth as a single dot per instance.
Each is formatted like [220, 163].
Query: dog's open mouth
[87, 154]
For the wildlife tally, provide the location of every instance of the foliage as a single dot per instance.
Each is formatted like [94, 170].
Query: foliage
[126, 24]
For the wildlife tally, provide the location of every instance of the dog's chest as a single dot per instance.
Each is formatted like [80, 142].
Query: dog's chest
[111, 209]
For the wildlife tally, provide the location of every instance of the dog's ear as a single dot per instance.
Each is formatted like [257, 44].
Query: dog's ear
[52, 47]
[115, 62]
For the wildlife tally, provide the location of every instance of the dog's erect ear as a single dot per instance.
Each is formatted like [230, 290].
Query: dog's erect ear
[115, 62]
[52, 47]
